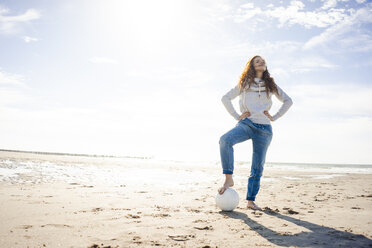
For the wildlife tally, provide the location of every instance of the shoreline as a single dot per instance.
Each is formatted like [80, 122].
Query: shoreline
[62, 154]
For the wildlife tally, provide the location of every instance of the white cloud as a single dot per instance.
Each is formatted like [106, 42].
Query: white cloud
[7, 79]
[297, 64]
[247, 6]
[28, 39]
[297, 5]
[337, 31]
[329, 4]
[12, 23]
[262, 48]
[358, 43]
[306, 63]
[247, 14]
[293, 14]
[218, 11]
[103, 60]
[360, 1]
[278, 52]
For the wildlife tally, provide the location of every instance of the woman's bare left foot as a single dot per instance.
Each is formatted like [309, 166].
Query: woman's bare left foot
[253, 206]
[229, 182]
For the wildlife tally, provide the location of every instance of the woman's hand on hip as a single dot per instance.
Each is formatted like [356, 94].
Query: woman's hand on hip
[244, 115]
[268, 115]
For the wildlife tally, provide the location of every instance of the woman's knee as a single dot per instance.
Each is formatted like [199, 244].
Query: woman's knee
[224, 140]
[256, 174]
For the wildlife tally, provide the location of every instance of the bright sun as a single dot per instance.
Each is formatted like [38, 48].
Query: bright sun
[145, 25]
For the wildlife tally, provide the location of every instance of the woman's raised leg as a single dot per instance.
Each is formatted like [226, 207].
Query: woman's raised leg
[236, 135]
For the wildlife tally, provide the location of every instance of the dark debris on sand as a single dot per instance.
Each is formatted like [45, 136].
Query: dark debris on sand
[102, 246]
[270, 210]
[181, 237]
[290, 211]
[204, 228]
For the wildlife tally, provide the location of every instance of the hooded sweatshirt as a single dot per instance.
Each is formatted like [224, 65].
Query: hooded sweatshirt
[254, 100]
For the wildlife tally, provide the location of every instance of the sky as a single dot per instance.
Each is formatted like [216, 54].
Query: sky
[145, 78]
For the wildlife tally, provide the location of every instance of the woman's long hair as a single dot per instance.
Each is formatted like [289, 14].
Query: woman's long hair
[248, 75]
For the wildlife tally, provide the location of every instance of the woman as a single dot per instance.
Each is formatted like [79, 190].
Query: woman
[254, 89]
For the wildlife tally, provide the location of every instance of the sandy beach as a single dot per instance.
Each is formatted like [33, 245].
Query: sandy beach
[72, 201]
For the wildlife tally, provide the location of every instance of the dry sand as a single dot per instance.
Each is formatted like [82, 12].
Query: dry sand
[135, 211]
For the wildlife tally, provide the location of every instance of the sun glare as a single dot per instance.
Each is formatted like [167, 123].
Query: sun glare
[148, 25]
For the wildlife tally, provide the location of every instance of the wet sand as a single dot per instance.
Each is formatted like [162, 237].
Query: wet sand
[103, 202]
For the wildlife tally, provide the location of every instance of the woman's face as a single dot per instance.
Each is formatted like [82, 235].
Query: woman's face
[259, 64]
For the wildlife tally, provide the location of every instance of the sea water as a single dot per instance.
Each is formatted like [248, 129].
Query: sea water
[152, 171]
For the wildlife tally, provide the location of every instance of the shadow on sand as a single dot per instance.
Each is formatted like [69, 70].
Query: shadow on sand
[319, 236]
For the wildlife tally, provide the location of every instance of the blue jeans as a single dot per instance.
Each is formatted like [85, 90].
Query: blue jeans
[261, 136]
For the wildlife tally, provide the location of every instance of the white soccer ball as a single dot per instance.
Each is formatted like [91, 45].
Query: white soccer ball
[228, 201]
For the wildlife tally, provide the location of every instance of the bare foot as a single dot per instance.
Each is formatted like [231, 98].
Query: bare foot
[229, 182]
[253, 206]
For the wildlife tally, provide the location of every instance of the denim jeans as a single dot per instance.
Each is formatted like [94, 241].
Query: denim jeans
[261, 136]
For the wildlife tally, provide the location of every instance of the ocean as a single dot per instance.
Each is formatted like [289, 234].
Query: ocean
[38, 167]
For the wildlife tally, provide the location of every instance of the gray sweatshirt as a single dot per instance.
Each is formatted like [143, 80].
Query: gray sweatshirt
[256, 102]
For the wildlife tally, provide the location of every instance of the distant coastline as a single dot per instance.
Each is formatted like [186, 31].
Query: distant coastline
[152, 157]
[74, 154]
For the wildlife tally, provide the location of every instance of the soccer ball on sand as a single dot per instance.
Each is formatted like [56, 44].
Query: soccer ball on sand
[228, 201]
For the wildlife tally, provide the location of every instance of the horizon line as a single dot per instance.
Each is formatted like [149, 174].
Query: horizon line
[151, 157]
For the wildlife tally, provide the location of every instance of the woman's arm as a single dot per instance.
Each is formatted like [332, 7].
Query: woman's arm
[226, 100]
[287, 103]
